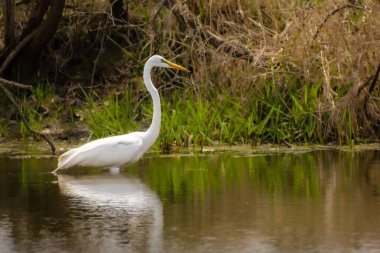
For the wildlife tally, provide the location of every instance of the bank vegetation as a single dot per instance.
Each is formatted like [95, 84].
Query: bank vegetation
[263, 71]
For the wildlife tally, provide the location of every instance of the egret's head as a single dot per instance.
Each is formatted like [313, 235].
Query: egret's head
[160, 61]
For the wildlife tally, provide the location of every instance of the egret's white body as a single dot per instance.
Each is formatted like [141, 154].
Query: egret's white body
[116, 152]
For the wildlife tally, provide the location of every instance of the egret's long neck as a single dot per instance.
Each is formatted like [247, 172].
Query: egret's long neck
[154, 129]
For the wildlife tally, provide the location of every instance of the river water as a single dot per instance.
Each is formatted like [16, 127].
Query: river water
[320, 201]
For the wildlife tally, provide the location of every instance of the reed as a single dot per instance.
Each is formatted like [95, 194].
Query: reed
[189, 120]
[263, 71]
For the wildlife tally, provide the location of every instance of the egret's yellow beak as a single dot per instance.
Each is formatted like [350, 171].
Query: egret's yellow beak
[176, 66]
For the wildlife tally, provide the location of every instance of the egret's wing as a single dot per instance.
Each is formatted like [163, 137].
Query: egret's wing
[107, 152]
[111, 153]
[109, 143]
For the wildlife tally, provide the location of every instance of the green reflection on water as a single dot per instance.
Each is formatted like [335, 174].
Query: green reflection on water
[184, 177]
[200, 192]
[300, 175]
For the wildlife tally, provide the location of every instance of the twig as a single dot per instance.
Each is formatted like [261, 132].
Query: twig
[332, 13]
[363, 85]
[368, 94]
[18, 85]
[286, 143]
[16, 50]
[237, 51]
[374, 80]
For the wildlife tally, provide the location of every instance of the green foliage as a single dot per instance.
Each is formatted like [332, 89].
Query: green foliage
[292, 117]
[195, 176]
[189, 121]
[277, 114]
[110, 116]
[347, 131]
[39, 108]
[33, 117]
[304, 179]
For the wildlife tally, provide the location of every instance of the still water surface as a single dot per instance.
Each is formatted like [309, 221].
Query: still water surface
[321, 201]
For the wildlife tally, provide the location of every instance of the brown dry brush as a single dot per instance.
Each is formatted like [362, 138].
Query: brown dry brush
[337, 42]
[357, 112]
[351, 66]
[235, 47]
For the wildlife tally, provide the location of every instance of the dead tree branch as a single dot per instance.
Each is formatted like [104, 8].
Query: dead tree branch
[17, 85]
[374, 80]
[362, 111]
[367, 109]
[16, 50]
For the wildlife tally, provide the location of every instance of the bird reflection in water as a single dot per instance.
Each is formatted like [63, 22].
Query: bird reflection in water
[113, 213]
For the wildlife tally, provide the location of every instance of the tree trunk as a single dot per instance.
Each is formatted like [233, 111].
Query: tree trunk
[118, 10]
[36, 16]
[42, 25]
[9, 22]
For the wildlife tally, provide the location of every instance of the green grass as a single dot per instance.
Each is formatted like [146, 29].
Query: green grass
[291, 118]
[110, 116]
[189, 121]
[39, 108]
[277, 114]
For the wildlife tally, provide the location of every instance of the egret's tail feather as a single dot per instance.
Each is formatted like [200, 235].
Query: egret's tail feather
[66, 160]
[54, 172]
[67, 154]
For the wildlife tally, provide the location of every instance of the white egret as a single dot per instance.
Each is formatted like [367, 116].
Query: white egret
[116, 152]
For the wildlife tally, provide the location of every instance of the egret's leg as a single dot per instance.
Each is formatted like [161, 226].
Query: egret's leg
[115, 170]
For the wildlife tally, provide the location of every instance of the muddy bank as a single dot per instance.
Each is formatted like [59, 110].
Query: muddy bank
[36, 149]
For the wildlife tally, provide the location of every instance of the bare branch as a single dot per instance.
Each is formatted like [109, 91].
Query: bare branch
[16, 50]
[17, 85]
[332, 13]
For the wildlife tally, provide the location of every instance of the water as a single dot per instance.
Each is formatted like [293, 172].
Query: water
[322, 201]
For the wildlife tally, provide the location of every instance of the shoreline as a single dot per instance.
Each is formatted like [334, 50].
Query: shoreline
[39, 148]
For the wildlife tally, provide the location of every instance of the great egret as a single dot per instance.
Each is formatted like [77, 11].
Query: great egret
[116, 152]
